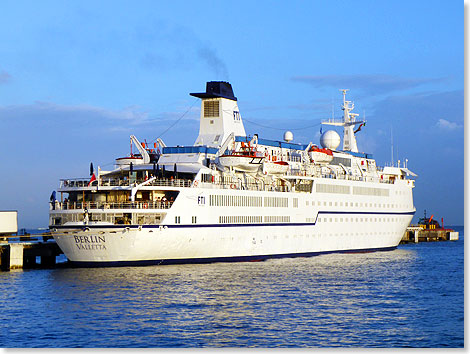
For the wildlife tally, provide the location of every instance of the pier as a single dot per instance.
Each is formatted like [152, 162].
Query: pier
[417, 233]
[429, 230]
[23, 251]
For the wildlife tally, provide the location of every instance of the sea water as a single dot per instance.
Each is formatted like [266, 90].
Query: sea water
[409, 297]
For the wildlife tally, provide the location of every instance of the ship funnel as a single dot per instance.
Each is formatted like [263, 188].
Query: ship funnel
[215, 89]
[220, 115]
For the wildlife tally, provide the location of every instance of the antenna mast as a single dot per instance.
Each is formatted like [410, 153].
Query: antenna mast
[348, 122]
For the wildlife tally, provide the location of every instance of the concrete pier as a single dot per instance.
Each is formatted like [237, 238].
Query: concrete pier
[23, 255]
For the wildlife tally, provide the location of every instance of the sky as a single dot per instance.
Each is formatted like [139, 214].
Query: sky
[78, 78]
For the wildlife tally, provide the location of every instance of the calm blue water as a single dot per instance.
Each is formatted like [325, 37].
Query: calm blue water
[410, 297]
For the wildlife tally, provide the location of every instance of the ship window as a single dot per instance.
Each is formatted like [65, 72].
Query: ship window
[296, 202]
[211, 109]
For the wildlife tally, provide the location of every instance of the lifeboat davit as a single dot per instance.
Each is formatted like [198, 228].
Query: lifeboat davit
[275, 167]
[321, 156]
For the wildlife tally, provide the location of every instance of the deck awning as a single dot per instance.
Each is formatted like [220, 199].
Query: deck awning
[408, 172]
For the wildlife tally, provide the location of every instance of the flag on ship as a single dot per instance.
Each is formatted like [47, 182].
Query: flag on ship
[360, 126]
[92, 179]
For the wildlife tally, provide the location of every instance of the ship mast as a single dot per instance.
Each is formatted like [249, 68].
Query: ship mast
[348, 122]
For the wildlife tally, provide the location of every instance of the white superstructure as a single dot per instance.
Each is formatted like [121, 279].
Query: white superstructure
[233, 197]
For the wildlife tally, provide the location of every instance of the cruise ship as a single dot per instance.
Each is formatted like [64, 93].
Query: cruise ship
[233, 197]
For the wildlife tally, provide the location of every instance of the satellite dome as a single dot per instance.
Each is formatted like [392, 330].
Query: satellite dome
[288, 136]
[330, 140]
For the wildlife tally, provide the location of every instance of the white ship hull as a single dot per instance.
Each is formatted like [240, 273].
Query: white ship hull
[305, 225]
[209, 244]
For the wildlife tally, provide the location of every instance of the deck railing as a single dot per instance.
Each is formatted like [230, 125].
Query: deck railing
[169, 182]
[124, 182]
[102, 205]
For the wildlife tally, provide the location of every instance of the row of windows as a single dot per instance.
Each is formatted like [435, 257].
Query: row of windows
[356, 204]
[235, 200]
[252, 219]
[339, 189]
[276, 202]
[356, 219]
[240, 219]
[250, 201]
[332, 188]
[381, 192]
[277, 218]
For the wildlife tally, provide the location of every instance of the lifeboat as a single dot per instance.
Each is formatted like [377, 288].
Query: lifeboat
[320, 156]
[275, 167]
[247, 159]
[126, 161]
[242, 161]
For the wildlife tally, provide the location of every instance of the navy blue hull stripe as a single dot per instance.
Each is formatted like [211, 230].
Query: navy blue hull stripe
[227, 225]
[219, 259]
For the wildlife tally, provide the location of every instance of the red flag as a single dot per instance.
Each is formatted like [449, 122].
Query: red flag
[92, 179]
[359, 128]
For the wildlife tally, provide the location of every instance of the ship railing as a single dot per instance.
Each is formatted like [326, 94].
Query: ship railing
[124, 182]
[103, 205]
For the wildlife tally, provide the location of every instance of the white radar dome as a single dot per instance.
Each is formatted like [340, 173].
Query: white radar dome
[330, 140]
[288, 136]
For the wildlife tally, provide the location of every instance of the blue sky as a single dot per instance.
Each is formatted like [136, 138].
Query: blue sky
[77, 78]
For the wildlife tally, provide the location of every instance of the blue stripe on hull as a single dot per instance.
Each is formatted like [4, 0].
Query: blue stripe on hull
[219, 259]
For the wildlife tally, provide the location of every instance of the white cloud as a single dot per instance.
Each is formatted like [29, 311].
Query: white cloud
[371, 83]
[53, 112]
[445, 124]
